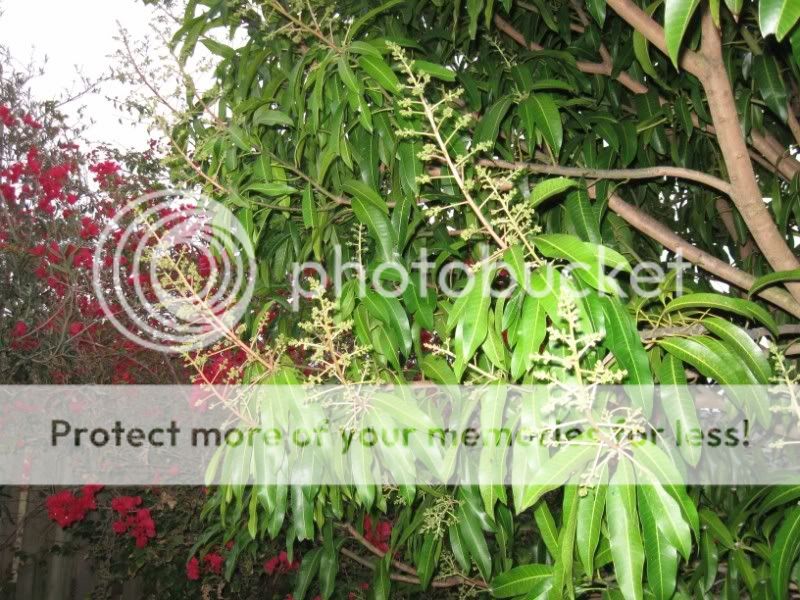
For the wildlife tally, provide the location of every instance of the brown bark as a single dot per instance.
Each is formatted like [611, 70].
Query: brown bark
[746, 194]
[663, 235]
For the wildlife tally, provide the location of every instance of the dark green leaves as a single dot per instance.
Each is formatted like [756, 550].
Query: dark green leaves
[488, 127]
[784, 553]
[539, 112]
[770, 84]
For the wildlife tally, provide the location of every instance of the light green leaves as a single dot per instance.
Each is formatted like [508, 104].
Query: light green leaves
[623, 529]
[539, 112]
[434, 70]
[623, 341]
[266, 116]
[677, 16]
[678, 405]
[707, 301]
[372, 211]
[743, 345]
[474, 321]
[531, 329]
[769, 279]
[778, 16]
[376, 68]
[525, 580]
[550, 187]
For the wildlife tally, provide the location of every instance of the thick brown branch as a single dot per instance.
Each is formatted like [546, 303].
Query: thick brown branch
[621, 174]
[647, 225]
[747, 195]
[697, 329]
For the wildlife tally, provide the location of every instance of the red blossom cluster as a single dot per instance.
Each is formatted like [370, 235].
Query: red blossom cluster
[133, 520]
[280, 564]
[66, 507]
[378, 533]
[212, 563]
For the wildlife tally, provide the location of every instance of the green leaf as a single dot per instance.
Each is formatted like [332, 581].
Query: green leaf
[570, 248]
[360, 190]
[427, 558]
[541, 111]
[266, 116]
[380, 72]
[709, 301]
[526, 580]
[437, 369]
[677, 16]
[549, 188]
[583, 217]
[678, 406]
[547, 527]
[778, 16]
[556, 471]
[659, 465]
[219, 49]
[271, 189]
[667, 513]
[390, 311]
[469, 528]
[623, 529]
[308, 571]
[719, 531]
[771, 279]
[742, 344]
[531, 329]
[622, 339]
[735, 6]
[721, 367]
[488, 128]
[770, 84]
[347, 76]
[590, 517]
[597, 8]
[662, 558]
[379, 227]
[474, 321]
[434, 70]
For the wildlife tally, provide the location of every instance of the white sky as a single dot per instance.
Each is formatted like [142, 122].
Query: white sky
[76, 35]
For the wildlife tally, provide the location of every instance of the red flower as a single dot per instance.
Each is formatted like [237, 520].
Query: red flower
[280, 564]
[20, 328]
[213, 561]
[125, 504]
[378, 534]
[75, 328]
[65, 508]
[193, 569]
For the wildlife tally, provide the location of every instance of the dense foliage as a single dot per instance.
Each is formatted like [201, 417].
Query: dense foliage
[605, 132]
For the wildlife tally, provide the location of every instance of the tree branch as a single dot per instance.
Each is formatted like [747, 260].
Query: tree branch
[697, 329]
[747, 195]
[621, 174]
[647, 225]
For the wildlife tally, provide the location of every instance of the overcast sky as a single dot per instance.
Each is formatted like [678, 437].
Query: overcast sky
[76, 35]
